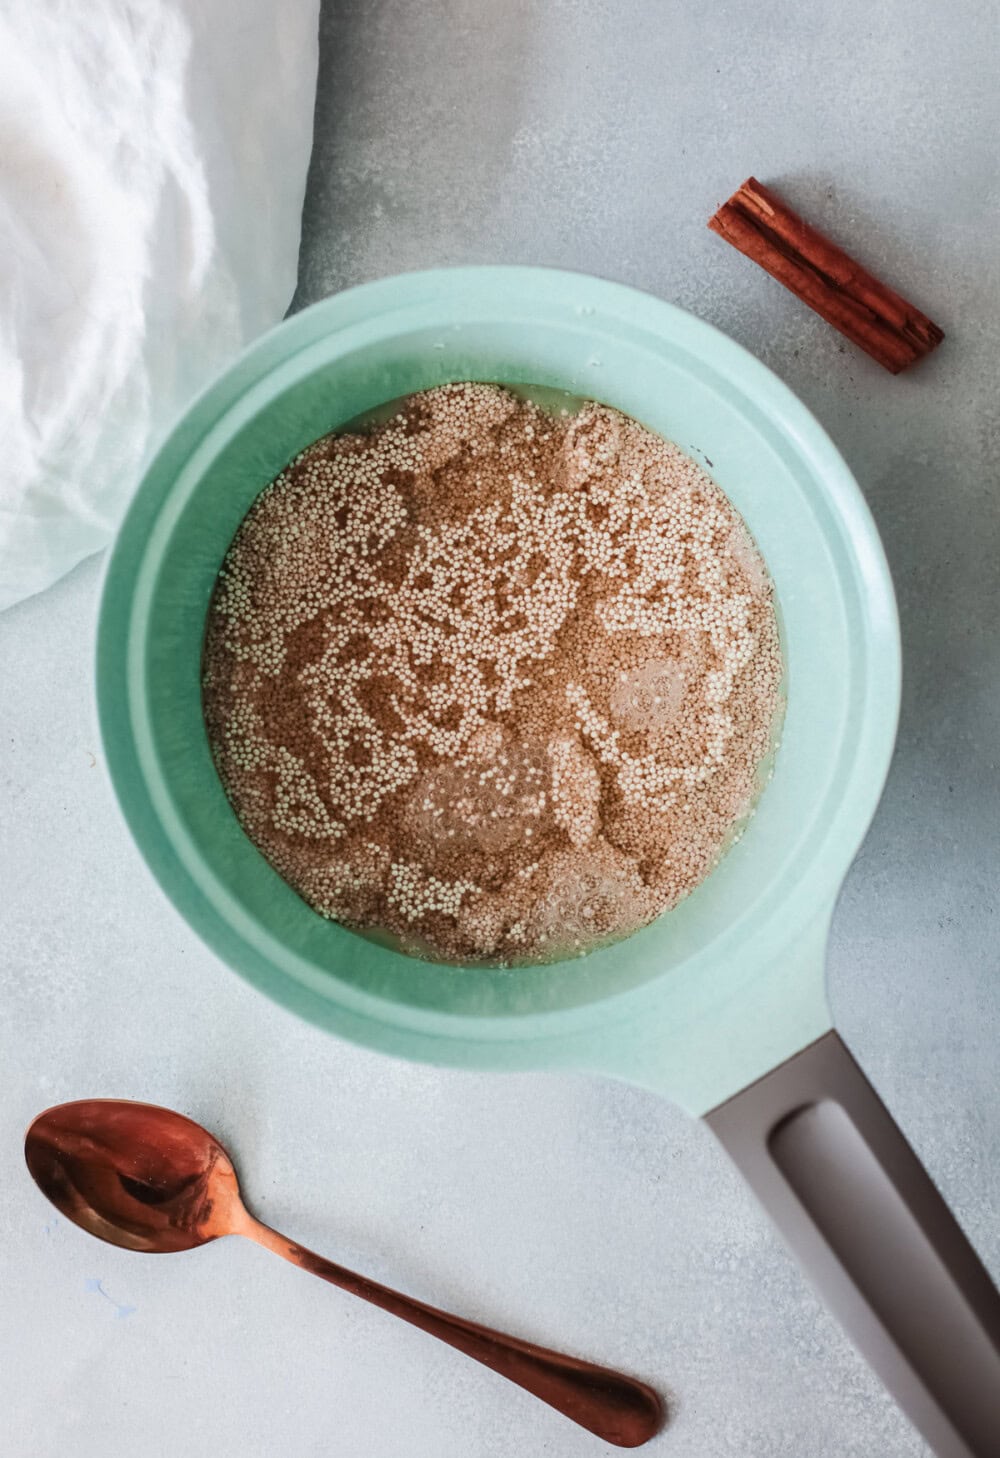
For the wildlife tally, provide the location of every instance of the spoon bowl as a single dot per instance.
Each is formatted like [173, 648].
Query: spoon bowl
[134, 1175]
[148, 1179]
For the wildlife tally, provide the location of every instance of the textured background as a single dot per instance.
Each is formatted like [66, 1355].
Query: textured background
[598, 136]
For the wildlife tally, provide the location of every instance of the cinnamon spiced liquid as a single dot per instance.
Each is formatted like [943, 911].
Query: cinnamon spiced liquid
[492, 675]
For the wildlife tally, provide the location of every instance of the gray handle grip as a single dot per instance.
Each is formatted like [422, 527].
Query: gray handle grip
[857, 1209]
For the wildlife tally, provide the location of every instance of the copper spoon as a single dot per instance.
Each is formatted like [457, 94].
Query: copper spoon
[148, 1179]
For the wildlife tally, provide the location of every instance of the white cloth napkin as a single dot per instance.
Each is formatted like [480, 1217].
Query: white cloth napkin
[153, 158]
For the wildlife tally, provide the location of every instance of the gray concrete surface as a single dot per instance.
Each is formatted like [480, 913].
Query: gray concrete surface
[600, 136]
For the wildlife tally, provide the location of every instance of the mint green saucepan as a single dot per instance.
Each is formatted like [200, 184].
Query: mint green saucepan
[720, 1005]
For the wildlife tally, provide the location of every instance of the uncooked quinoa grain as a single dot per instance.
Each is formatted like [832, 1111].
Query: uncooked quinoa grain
[494, 681]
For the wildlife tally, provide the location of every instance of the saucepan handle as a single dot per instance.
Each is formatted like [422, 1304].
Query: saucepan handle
[858, 1210]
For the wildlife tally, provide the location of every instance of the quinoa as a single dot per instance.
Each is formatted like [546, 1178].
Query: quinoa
[494, 681]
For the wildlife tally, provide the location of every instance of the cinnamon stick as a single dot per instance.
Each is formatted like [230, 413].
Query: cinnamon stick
[757, 222]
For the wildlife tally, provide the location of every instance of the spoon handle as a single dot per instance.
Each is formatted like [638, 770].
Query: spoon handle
[617, 1408]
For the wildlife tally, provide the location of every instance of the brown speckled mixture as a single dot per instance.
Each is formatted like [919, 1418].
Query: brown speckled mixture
[495, 682]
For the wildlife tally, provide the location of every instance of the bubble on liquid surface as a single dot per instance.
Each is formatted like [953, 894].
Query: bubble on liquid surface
[584, 900]
[648, 698]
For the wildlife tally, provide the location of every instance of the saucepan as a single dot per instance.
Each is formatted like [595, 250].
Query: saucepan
[719, 1005]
